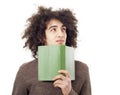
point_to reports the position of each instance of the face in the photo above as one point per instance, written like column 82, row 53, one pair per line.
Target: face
column 55, row 33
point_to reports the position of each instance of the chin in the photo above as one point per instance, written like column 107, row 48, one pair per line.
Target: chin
column 60, row 44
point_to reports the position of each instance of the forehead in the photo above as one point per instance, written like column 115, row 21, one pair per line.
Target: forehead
column 53, row 22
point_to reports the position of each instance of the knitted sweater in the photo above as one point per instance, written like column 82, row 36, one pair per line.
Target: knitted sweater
column 26, row 82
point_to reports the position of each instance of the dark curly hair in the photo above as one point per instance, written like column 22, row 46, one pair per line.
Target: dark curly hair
column 37, row 23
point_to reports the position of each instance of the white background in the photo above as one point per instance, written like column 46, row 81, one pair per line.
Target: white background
column 98, row 45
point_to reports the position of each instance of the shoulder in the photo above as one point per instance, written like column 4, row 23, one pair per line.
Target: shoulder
column 29, row 65
column 28, row 70
column 81, row 65
column 81, row 68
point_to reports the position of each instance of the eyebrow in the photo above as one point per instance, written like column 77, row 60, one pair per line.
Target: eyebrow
column 55, row 26
column 52, row 26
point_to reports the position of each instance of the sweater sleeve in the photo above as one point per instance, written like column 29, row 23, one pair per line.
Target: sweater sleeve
column 19, row 87
column 86, row 88
column 72, row 92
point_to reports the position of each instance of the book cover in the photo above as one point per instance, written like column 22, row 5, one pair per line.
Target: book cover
column 51, row 59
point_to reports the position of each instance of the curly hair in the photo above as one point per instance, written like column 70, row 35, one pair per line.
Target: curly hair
column 37, row 23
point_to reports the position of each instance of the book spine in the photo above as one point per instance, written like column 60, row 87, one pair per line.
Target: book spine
column 62, row 57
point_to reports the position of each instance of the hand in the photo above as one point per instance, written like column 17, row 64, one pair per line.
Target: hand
column 63, row 81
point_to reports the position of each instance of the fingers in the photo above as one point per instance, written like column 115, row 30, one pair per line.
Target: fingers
column 58, row 83
column 64, row 72
column 62, row 75
column 63, row 81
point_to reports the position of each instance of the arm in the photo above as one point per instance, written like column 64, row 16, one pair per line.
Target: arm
column 86, row 88
column 72, row 92
column 19, row 87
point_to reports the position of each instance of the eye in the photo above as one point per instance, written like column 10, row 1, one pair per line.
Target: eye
column 53, row 30
column 64, row 29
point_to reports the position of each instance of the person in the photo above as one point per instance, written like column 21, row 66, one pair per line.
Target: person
column 51, row 27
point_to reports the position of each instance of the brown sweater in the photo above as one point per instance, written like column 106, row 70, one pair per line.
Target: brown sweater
column 26, row 82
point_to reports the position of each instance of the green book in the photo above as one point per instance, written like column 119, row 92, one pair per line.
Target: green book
column 53, row 58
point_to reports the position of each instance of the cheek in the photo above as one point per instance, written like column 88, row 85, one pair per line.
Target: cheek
column 50, row 37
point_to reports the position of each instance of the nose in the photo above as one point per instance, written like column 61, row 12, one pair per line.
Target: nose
column 60, row 33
